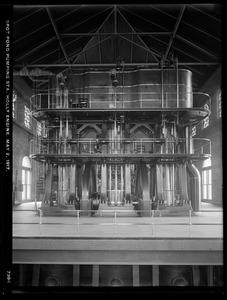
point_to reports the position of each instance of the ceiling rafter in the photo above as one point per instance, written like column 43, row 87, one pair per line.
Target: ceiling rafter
column 85, row 49
column 142, row 47
column 40, row 28
column 113, row 33
column 203, row 12
column 147, row 48
column 196, row 46
column 179, row 50
column 84, row 21
column 100, row 52
column 188, row 24
column 55, row 50
column 145, row 19
column 57, row 34
column 35, row 49
column 62, row 65
column 177, row 24
column 166, row 30
column 86, row 46
column 27, row 16
column 131, row 49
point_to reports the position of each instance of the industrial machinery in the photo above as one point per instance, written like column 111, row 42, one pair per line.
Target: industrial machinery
column 116, row 137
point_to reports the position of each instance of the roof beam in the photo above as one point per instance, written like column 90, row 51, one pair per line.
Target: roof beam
column 62, row 65
column 60, row 5
column 203, row 12
column 175, row 30
column 196, row 46
column 113, row 33
column 86, row 46
column 147, row 48
column 27, row 35
column 92, row 46
column 55, row 50
column 142, row 47
column 27, row 16
column 35, row 49
column 57, row 34
column 186, row 23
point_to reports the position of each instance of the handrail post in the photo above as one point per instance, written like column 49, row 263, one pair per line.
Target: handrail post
column 40, row 216
column 152, row 223
column 115, row 222
column 78, row 222
column 78, row 217
column 190, row 223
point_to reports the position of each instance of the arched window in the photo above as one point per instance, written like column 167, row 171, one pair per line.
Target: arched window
column 26, row 179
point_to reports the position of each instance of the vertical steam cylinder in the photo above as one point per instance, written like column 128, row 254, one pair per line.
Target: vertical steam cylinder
column 89, row 188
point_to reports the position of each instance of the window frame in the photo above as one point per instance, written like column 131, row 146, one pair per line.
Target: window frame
column 206, row 182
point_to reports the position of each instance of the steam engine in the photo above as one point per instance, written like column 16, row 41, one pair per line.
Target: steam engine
column 117, row 137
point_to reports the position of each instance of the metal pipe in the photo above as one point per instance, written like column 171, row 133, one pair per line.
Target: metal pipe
column 115, row 33
column 162, row 103
column 177, row 83
column 109, row 65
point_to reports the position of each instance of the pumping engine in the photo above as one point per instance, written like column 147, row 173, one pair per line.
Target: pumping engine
column 120, row 137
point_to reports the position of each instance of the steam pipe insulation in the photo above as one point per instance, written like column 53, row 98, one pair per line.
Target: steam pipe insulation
column 183, row 183
column 89, row 188
column 143, row 190
column 152, row 184
column 195, row 186
column 159, row 183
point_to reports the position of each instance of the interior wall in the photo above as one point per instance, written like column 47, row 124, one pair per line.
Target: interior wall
column 214, row 133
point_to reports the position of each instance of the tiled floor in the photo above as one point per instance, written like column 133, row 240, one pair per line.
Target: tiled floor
column 204, row 224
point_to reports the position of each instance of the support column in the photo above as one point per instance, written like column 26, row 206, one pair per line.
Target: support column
column 72, row 186
column 48, row 184
column 35, row 275
column 135, row 275
column 76, row 275
column 103, row 183
column 60, row 178
column 22, row 275
column 95, row 275
column 210, row 277
column 196, row 275
column 155, row 275
column 128, row 182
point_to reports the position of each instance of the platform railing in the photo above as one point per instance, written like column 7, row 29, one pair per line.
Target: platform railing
column 116, row 223
column 120, row 145
column 132, row 100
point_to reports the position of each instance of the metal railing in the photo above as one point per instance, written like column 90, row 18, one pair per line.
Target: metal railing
column 116, row 223
column 120, row 145
column 102, row 100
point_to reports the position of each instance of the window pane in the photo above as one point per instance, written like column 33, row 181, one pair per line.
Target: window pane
column 28, row 192
column 204, row 192
column 23, row 176
column 23, row 192
column 28, row 179
column 204, row 177
column 209, row 181
column 209, row 192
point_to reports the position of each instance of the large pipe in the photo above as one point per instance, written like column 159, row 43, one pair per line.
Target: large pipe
column 89, row 187
column 195, row 186
column 143, row 190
